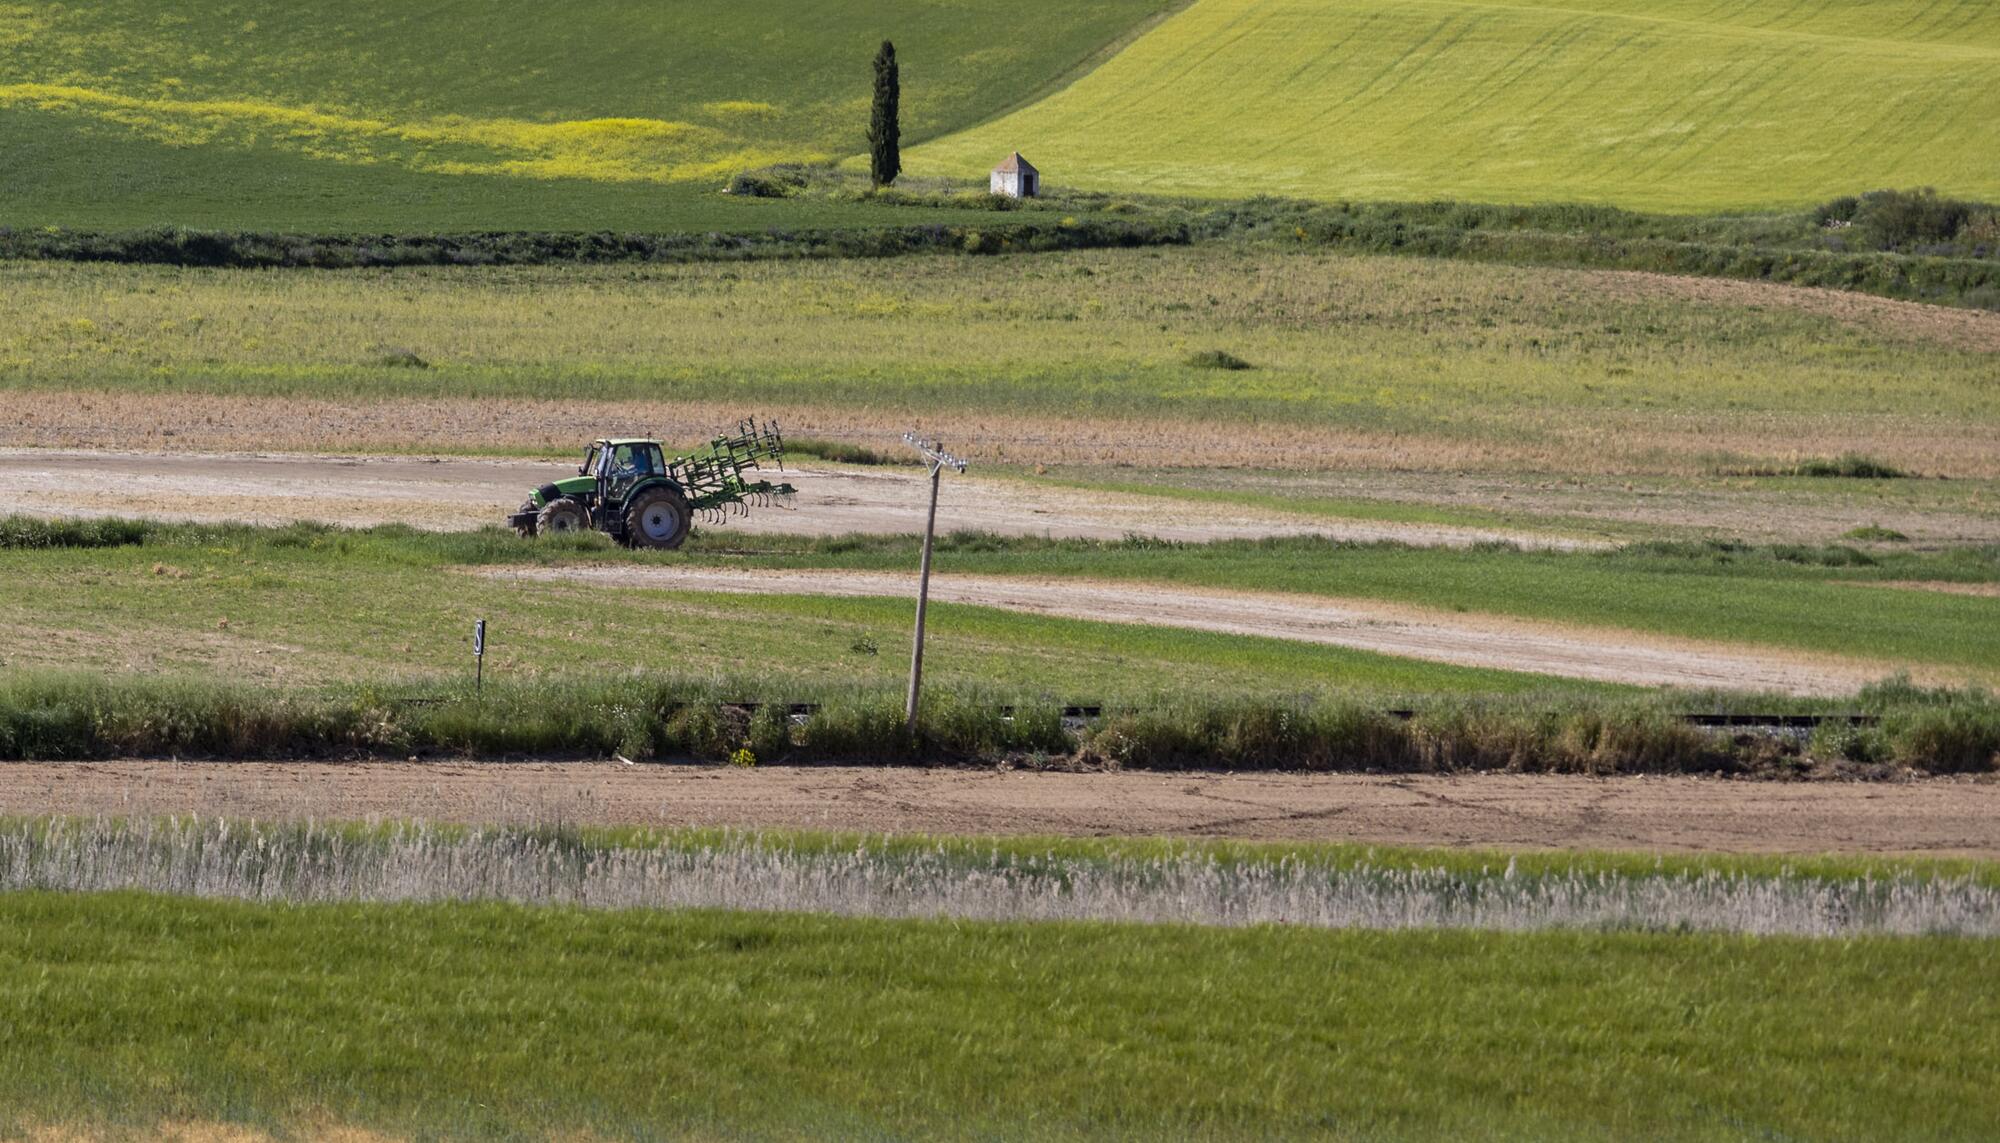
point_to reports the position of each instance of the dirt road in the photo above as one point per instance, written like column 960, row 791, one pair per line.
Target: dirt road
column 469, row 492
column 1939, row 816
column 1466, row 639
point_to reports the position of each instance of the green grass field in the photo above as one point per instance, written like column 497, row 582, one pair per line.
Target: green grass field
column 1686, row 105
column 378, row 117
column 381, row 116
column 473, row 1020
column 306, row 608
column 1368, row 361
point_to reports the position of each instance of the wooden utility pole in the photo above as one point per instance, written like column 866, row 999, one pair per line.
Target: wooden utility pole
column 939, row 460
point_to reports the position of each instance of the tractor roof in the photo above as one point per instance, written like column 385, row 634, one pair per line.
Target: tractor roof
column 614, row 442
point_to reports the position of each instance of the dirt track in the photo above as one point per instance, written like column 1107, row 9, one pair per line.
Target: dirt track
column 1940, row 816
column 1472, row 640
column 470, row 492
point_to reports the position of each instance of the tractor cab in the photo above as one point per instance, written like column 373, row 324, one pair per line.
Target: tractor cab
column 618, row 466
column 610, row 456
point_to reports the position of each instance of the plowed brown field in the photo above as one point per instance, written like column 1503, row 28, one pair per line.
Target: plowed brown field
column 1667, row 814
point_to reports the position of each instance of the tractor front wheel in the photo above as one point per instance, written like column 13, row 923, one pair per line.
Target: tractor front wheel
column 657, row 518
column 559, row 516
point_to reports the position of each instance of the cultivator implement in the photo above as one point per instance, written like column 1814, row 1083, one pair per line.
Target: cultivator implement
column 714, row 479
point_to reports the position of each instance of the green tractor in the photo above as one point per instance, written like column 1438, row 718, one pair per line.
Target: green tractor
column 628, row 488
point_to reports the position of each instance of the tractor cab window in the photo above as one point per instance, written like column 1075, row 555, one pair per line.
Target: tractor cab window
column 589, row 465
column 635, row 460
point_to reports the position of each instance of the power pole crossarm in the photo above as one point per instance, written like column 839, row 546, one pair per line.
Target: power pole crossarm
column 939, row 460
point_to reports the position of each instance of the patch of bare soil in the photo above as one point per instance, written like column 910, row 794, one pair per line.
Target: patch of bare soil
column 1472, row 640
column 1652, row 814
column 470, row 492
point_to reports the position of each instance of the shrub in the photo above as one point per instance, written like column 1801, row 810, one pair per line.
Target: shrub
column 1849, row 465
column 982, row 200
column 699, row 729
column 1837, row 211
column 1217, row 359
column 1837, row 740
column 1895, row 220
column 1830, row 556
column 765, row 184
column 1957, row 739
column 857, row 730
column 1149, row 740
column 18, row 532
column 1642, row 741
column 402, row 359
column 770, row 733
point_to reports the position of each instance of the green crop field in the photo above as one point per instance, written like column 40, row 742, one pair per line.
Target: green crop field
column 377, row 116
column 1683, row 105
column 380, row 115
column 489, row 1020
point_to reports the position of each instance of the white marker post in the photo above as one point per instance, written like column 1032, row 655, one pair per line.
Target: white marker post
column 478, row 655
column 939, row 460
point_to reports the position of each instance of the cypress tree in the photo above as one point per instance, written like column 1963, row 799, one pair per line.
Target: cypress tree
column 885, row 156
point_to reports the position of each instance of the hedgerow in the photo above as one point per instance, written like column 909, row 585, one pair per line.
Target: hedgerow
column 666, row 718
column 1901, row 244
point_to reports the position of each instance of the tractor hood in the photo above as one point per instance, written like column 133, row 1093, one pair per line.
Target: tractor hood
column 567, row 486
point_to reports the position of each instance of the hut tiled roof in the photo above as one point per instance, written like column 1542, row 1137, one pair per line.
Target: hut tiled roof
column 1012, row 164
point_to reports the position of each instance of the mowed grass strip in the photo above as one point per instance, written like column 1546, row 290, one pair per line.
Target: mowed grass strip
column 379, row 116
column 1392, row 363
column 1682, row 105
column 126, row 1010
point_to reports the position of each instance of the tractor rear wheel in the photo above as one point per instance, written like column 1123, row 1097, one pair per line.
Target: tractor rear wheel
column 657, row 518
column 558, row 516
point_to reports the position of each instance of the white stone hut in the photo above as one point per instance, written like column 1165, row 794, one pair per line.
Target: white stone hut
column 1016, row 177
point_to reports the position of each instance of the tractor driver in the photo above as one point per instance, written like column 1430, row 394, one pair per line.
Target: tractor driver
column 632, row 461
